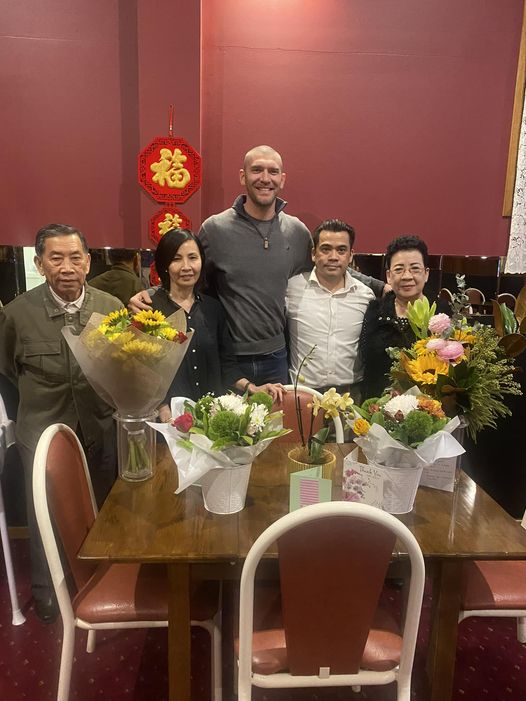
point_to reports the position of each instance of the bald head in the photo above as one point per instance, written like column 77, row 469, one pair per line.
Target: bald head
column 261, row 152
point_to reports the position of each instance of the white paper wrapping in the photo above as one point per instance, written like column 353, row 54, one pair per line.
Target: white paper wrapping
column 192, row 465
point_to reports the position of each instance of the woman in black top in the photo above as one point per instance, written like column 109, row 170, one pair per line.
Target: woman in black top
column 209, row 364
column 385, row 322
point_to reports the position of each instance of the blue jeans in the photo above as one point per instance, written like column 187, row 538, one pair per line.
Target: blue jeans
column 270, row 367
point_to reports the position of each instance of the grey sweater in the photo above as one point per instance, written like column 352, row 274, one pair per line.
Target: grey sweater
column 249, row 279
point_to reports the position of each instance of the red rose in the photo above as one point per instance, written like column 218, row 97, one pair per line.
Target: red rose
column 180, row 338
column 184, row 422
column 137, row 324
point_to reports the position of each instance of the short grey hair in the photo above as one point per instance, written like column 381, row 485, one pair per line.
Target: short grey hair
column 50, row 230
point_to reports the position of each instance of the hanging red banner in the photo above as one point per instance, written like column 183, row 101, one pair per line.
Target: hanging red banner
column 169, row 169
column 167, row 218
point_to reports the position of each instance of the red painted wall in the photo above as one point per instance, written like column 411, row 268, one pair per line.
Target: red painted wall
column 392, row 115
column 87, row 84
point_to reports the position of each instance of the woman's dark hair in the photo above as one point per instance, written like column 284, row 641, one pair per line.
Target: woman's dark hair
column 406, row 243
column 167, row 249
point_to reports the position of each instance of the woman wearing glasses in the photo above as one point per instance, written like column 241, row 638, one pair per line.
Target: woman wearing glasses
column 385, row 322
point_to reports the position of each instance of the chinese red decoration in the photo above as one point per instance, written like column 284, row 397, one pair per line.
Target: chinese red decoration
column 167, row 218
column 170, row 169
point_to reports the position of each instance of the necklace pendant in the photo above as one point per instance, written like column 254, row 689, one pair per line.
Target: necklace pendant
column 265, row 243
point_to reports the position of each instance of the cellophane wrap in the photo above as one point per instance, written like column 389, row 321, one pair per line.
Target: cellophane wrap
column 134, row 385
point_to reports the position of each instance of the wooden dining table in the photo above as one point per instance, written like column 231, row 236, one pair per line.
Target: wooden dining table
column 147, row 522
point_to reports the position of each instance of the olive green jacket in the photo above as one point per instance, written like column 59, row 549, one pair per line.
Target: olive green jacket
column 119, row 281
column 34, row 355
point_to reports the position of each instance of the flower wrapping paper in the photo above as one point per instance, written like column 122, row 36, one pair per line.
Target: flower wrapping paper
column 192, row 465
column 133, row 386
column 379, row 447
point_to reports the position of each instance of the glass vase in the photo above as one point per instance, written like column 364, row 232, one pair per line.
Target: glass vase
column 135, row 447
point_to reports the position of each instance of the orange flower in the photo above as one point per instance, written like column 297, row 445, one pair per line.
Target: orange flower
column 431, row 406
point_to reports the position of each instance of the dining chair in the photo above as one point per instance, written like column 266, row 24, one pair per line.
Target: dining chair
column 305, row 395
column 333, row 559
column 508, row 299
column 7, row 439
column 97, row 596
column 495, row 588
column 475, row 296
column 445, row 295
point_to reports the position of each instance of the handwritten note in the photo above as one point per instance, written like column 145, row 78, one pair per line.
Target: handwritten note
column 440, row 474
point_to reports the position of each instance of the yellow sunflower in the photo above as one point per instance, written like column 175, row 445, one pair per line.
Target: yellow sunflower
column 150, row 317
column 425, row 368
column 464, row 336
column 141, row 349
column 420, row 346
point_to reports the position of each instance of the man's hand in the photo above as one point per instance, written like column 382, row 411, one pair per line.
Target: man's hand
column 276, row 391
column 140, row 302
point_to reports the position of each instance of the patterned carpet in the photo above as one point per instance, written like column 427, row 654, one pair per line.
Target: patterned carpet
column 491, row 664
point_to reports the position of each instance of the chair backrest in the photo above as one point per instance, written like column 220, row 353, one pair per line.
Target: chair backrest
column 508, row 299
column 63, row 498
column 475, row 295
column 445, row 295
column 333, row 559
column 290, row 420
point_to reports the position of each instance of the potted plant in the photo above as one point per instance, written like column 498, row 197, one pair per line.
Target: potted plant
column 312, row 450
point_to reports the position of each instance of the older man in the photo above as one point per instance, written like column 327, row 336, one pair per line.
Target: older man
column 252, row 249
column 35, row 356
column 325, row 308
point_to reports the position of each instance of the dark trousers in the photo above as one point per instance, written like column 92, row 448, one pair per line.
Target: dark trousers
column 269, row 367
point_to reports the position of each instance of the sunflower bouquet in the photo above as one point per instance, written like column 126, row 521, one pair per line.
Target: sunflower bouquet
column 461, row 365
column 130, row 361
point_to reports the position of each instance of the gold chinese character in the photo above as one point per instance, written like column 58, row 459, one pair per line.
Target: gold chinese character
column 169, row 169
column 171, row 221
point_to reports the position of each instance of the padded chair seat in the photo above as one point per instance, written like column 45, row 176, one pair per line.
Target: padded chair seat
column 494, row 584
column 132, row 592
column 381, row 653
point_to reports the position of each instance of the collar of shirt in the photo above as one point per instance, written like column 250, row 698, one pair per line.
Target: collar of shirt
column 70, row 307
column 347, row 287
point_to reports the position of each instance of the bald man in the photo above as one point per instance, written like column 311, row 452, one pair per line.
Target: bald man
column 252, row 249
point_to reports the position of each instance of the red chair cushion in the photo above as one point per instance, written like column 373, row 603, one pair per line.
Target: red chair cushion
column 134, row 592
column 494, row 584
column 381, row 653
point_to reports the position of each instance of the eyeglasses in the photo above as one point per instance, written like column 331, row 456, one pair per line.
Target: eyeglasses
column 414, row 269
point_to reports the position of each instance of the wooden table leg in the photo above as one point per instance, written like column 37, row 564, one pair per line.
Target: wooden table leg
column 179, row 636
column 444, row 627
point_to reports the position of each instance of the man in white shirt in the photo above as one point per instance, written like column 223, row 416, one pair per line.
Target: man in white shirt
column 325, row 308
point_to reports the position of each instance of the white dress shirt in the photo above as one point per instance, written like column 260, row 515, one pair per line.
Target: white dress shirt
column 330, row 320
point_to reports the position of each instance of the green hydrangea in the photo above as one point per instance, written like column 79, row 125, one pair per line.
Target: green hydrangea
column 225, row 424
column 261, row 398
column 418, row 426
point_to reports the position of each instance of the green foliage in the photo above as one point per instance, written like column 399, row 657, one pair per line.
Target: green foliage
column 418, row 313
column 261, row 398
